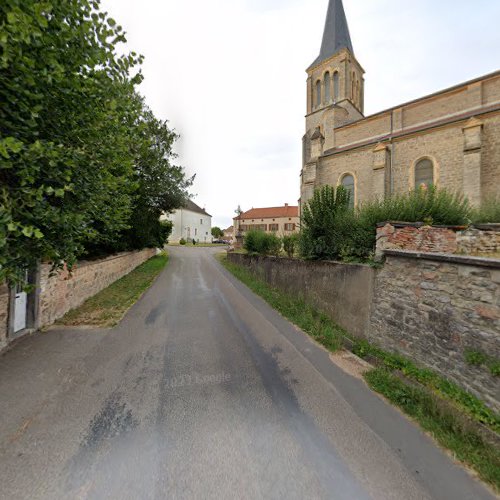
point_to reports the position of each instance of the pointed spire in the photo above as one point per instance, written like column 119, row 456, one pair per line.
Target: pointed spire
column 336, row 35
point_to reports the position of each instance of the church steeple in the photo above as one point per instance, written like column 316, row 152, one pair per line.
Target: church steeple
column 336, row 34
column 336, row 77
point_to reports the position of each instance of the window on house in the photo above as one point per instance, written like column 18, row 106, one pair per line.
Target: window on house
column 336, row 86
column 318, row 93
column 196, row 232
column 348, row 183
column 201, row 221
column 274, row 228
column 327, row 87
column 424, row 173
column 290, row 227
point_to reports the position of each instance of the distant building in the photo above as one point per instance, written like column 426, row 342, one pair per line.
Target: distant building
column 229, row 233
column 280, row 220
column 190, row 222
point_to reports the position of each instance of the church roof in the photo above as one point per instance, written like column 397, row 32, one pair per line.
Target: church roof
column 336, row 35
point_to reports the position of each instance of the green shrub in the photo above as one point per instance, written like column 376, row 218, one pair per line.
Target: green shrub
column 261, row 243
column 332, row 231
column 319, row 238
column 489, row 212
column 290, row 244
column 182, row 241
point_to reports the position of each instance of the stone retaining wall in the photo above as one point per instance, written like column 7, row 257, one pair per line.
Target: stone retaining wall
column 475, row 241
column 435, row 239
column 4, row 314
column 64, row 291
column 433, row 308
column 342, row 291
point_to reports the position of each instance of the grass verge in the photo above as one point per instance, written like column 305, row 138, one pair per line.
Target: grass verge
column 445, row 426
column 108, row 307
column 465, row 444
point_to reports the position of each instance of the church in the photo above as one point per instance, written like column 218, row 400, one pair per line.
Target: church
column 450, row 139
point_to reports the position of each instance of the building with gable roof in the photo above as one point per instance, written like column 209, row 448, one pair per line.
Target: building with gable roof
column 279, row 220
column 190, row 223
column 450, row 139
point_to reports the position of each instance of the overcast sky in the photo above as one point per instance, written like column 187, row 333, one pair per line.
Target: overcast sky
column 230, row 77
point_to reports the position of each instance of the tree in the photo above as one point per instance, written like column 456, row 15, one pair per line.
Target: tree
column 65, row 164
column 84, row 165
column 217, row 232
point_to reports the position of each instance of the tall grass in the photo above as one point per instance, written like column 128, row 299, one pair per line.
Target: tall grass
column 488, row 212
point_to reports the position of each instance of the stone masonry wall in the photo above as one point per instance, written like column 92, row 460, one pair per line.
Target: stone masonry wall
column 434, row 308
column 341, row 291
column 477, row 242
column 429, row 239
column 64, row 291
column 4, row 314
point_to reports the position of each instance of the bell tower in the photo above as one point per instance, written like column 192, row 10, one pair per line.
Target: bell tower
column 335, row 93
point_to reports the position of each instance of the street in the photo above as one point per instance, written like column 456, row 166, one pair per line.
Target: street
column 203, row 391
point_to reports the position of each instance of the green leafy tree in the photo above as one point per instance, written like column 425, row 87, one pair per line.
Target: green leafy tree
column 217, row 232
column 65, row 163
column 84, row 164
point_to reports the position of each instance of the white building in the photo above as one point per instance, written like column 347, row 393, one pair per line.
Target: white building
column 190, row 222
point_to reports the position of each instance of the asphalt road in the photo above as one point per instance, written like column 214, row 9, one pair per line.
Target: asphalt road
column 203, row 391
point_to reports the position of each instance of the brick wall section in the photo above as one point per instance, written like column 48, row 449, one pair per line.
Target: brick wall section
column 4, row 314
column 62, row 292
column 341, row 291
column 411, row 237
column 433, row 309
column 471, row 241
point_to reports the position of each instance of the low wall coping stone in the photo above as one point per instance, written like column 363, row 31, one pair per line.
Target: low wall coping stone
column 303, row 261
column 418, row 225
column 446, row 257
column 487, row 227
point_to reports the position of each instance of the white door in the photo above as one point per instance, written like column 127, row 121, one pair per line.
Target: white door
column 20, row 309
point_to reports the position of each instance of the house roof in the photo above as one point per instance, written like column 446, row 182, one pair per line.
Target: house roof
column 270, row 213
column 193, row 207
column 336, row 35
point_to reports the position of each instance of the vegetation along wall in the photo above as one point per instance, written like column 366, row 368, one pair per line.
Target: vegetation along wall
column 342, row 291
column 63, row 291
column 442, row 311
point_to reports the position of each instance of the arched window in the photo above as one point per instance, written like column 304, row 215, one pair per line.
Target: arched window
column 318, row 93
column 348, row 183
column 357, row 92
column 424, row 173
column 327, row 80
column 336, row 86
